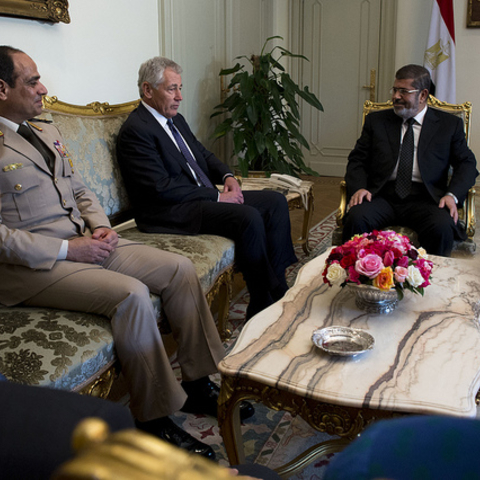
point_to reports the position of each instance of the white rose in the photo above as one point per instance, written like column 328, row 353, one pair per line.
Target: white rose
column 414, row 277
column 336, row 274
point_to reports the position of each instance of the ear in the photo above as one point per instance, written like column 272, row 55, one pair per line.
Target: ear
column 424, row 95
column 147, row 90
column 3, row 89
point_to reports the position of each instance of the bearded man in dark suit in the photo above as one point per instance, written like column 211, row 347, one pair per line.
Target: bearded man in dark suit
column 420, row 190
column 170, row 178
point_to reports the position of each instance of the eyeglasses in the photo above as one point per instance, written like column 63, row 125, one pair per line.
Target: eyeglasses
column 402, row 91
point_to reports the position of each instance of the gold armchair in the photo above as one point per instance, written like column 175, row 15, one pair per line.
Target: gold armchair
column 466, row 212
column 132, row 455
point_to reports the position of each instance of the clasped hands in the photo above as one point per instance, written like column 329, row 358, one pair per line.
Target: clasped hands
column 446, row 201
column 232, row 192
column 94, row 249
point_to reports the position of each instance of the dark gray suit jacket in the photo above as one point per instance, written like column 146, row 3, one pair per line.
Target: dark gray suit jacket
column 160, row 185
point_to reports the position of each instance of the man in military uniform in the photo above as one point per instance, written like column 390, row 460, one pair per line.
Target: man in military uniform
column 57, row 249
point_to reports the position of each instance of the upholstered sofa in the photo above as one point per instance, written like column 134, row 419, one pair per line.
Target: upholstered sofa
column 72, row 350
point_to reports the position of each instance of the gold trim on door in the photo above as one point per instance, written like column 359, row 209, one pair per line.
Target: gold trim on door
column 373, row 85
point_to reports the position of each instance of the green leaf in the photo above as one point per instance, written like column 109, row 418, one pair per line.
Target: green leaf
column 310, row 98
column 400, row 293
column 222, row 129
column 244, row 167
column 229, row 71
column 238, row 142
column 271, row 147
column 252, row 114
column 259, row 142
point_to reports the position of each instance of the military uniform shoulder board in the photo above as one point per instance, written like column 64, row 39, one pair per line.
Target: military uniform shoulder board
column 37, row 127
column 41, row 119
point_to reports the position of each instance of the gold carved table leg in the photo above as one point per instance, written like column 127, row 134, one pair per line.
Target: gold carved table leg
column 345, row 422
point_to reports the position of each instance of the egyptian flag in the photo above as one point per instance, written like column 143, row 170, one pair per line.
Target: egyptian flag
column 440, row 53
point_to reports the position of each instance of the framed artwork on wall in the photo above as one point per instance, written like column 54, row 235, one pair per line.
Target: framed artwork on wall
column 47, row 10
column 473, row 13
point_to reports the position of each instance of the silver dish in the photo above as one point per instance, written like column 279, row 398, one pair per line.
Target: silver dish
column 343, row 341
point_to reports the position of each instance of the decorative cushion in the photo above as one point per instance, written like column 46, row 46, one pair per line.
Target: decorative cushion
column 211, row 255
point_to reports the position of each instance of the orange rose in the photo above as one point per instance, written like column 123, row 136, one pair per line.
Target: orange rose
column 384, row 280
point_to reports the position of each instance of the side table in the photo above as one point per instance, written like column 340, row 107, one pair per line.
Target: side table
column 301, row 199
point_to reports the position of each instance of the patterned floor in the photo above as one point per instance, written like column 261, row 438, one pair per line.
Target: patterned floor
column 270, row 438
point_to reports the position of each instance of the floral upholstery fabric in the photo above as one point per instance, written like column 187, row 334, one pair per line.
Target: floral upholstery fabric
column 211, row 255
column 91, row 144
column 54, row 348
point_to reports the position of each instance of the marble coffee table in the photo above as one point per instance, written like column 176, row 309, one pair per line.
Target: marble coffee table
column 426, row 358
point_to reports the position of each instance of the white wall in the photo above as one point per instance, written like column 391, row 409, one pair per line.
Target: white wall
column 204, row 36
column 412, row 32
column 95, row 57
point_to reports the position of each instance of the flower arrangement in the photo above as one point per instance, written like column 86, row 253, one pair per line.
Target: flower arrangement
column 383, row 259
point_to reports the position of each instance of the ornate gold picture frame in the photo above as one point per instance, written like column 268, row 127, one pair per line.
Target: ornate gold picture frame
column 473, row 13
column 47, row 10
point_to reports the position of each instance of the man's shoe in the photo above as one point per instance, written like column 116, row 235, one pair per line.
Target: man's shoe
column 203, row 399
column 257, row 304
column 165, row 429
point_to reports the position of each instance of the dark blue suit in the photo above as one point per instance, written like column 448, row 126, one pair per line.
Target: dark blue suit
column 166, row 198
column 441, row 146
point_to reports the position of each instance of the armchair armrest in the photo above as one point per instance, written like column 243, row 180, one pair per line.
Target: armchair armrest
column 342, row 208
column 469, row 213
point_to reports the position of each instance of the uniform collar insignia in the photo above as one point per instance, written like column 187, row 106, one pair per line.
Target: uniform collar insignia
column 1, row 133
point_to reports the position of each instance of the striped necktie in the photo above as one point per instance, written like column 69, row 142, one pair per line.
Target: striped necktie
column 201, row 175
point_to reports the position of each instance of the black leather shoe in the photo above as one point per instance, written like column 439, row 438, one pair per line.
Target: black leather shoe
column 203, row 399
column 165, row 429
column 257, row 304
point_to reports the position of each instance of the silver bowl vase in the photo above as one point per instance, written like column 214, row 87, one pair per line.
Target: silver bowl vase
column 373, row 300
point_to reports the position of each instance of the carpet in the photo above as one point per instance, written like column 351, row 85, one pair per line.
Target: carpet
column 270, row 438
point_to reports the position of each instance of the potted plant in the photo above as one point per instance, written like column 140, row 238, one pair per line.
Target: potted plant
column 263, row 114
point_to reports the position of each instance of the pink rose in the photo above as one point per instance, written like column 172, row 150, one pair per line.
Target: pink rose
column 400, row 274
column 370, row 265
column 425, row 267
